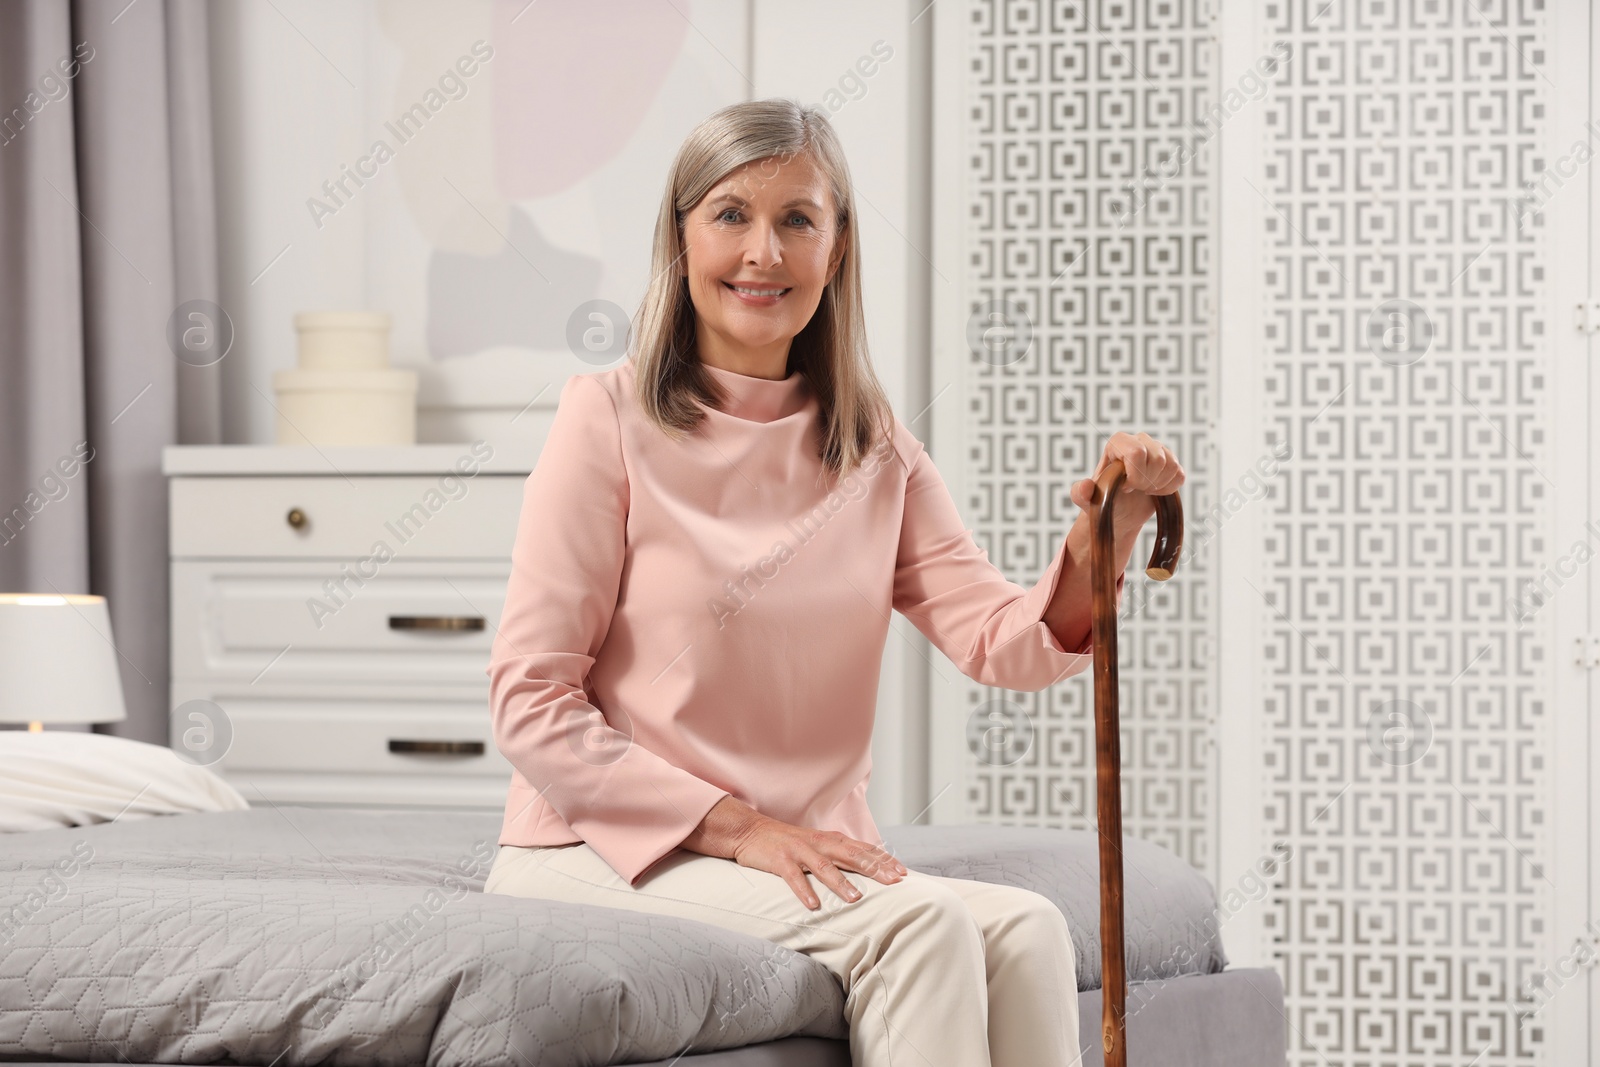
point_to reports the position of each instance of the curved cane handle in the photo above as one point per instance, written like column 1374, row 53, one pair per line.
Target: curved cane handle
column 1169, row 522
column 1108, row 731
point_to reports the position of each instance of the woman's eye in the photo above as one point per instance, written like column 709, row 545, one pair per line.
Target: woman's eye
column 723, row 217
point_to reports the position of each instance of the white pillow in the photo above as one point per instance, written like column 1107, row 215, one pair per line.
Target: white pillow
column 59, row 778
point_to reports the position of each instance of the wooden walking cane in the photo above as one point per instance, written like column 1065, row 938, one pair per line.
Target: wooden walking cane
column 1107, row 733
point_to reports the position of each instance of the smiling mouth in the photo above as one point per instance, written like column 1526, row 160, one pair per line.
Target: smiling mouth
column 756, row 292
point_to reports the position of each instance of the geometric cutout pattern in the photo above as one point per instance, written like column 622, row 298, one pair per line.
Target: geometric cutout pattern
column 1103, row 259
column 1407, row 727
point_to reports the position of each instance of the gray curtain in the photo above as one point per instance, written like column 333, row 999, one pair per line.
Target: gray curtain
column 107, row 224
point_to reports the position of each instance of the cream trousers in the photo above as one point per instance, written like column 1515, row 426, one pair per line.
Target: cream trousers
column 936, row 972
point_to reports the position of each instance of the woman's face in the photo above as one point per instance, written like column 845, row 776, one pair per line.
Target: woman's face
column 767, row 226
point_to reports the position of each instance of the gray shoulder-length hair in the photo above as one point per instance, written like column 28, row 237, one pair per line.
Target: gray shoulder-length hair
column 831, row 351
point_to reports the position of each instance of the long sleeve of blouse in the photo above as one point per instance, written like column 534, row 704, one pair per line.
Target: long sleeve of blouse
column 689, row 619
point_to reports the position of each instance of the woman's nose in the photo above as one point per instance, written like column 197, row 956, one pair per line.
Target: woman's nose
column 763, row 249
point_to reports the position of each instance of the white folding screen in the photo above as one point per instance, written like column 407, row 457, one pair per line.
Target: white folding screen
column 1085, row 323
column 1351, row 682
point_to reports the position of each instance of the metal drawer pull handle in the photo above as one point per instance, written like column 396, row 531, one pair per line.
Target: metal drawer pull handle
column 445, row 748
column 296, row 518
column 435, row 622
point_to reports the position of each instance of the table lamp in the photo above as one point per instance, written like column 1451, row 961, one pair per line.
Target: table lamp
column 57, row 661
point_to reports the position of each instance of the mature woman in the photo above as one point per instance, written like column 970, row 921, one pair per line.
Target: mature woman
column 709, row 548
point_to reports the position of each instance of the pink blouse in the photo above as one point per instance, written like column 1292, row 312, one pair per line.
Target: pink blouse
column 689, row 619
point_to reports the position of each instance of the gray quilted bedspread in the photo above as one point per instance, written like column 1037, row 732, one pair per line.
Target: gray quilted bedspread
column 296, row 936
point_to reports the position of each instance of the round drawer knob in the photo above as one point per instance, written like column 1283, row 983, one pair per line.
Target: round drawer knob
column 296, row 518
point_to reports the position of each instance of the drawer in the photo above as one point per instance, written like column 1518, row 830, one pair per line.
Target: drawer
column 350, row 518
column 305, row 620
column 413, row 732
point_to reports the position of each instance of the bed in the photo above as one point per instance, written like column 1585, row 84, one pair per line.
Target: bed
column 294, row 935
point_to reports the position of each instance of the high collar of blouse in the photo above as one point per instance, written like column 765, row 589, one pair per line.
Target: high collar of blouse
column 760, row 399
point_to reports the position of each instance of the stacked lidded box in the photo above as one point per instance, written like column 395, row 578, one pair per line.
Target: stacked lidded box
column 344, row 392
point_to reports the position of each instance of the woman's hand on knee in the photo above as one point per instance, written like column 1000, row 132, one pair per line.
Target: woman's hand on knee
column 790, row 851
column 734, row 830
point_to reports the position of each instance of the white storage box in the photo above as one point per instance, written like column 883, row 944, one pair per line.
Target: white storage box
column 346, row 407
column 343, row 340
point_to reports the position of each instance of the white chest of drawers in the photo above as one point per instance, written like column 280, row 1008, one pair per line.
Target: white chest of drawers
column 338, row 606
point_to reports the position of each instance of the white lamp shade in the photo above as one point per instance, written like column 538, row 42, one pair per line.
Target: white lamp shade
column 57, row 660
